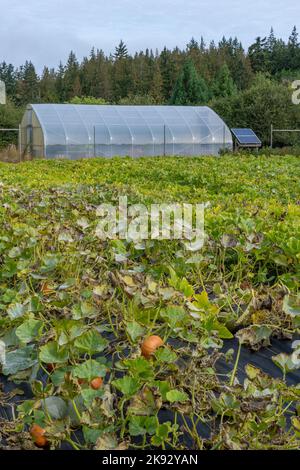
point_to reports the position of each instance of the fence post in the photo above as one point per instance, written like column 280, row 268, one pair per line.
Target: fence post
column 164, row 140
column 20, row 143
column 94, row 141
column 271, row 140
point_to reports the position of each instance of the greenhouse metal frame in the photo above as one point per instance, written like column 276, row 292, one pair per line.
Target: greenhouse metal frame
column 83, row 131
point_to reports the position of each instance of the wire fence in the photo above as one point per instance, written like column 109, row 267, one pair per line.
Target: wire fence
column 283, row 132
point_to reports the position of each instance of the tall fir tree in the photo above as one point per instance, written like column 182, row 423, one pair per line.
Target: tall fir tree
column 9, row 77
column 59, row 84
column 28, row 84
column 223, row 84
column 72, row 86
column 293, row 50
column 122, row 84
column 258, row 55
column 168, row 73
column 121, row 51
column 48, row 90
column 189, row 88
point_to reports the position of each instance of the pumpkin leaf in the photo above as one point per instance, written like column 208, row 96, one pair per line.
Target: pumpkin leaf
column 52, row 353
column 91, row 342
column 127, row 385
column 89, row 370
column 174, row 396
column 29, row 330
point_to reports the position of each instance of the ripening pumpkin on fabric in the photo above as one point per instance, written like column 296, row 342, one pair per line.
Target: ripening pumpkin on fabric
column 37, row 432
column 150, row 345
column 96, row 383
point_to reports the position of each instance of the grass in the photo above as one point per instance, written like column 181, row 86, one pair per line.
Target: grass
column 74, row 307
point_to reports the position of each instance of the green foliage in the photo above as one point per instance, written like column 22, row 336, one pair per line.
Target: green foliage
column 193, row 75
column 223, row 84
column 27, row 87
column 121, row 51
column 189, row 88
column 10, row 117
column 264, row 103
column 137, row 100
column 87, row 100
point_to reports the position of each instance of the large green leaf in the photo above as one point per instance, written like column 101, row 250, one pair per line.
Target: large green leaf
column 18, row 360
column 176, row 396
column 127, row 385
column 52, row 353
column 89, row 395
column 29, row 330
column 91, row 342
column 140, row 425
column 89, row 370
column 140, row 368
column 174, row 316
column 135, row 330
column 166, row 355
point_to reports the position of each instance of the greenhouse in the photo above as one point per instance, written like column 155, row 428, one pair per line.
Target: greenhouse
column 82, row 131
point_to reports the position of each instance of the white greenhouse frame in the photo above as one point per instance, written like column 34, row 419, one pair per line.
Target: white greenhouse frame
column 82, row 131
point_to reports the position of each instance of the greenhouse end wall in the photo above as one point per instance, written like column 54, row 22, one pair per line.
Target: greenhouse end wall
column 83, row 131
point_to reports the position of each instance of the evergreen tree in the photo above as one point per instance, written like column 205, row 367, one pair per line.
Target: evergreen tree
column 28, row 84
column 157, row 84
column 192, row 45
column 223, row 84
column 293, row 50
column 202, row 45
column 48, row 86
column 145, row 76
column 121, row 51
column 168, row 73
column 59, row 84
column 258, row 55
column 72, row 86
column 8, row 76
column 271, row 41
column 189, row 88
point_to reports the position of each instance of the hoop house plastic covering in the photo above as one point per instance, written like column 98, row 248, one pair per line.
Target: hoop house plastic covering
column 80, row 131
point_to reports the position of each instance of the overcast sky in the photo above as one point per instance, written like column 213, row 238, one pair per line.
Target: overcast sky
column 44, row 31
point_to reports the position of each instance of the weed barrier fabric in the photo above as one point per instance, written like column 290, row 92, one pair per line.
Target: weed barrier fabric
column 261, row 359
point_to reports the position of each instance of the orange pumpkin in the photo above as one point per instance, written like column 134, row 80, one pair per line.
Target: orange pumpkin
column 150, row 345
column 38, row 435
column 36, row 430
column 96, row 383
column 41, row 441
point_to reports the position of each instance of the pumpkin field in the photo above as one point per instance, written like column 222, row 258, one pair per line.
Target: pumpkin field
column 111, row 344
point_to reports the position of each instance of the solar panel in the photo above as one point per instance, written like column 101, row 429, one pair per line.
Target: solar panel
column 246, row 137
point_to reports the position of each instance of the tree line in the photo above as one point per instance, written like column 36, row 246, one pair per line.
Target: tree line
column 247, row 87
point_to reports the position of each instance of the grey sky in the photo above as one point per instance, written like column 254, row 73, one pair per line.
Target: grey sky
column 44, row 31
